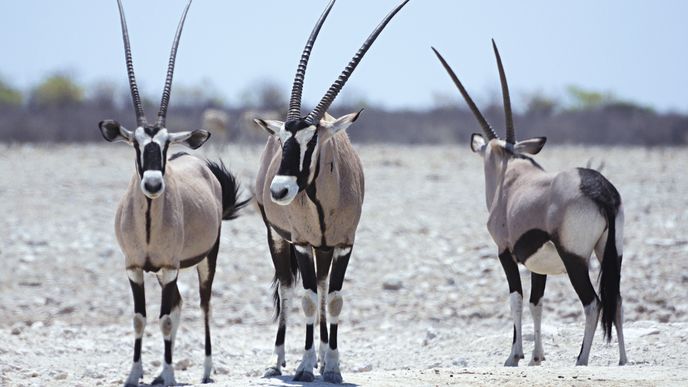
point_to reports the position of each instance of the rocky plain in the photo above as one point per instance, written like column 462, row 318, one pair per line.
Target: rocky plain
column 425, row 298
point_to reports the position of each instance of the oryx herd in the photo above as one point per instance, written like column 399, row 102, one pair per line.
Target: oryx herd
column 309, row 190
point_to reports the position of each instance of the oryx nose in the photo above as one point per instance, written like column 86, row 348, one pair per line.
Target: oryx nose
column 153, row 186
column 279, row 193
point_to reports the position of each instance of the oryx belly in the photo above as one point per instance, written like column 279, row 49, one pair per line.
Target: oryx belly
column 546, row 261
column 535, row 250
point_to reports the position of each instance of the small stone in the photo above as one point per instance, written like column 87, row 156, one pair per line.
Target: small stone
column 182, row 364
column 61, row 376
column 392, row 283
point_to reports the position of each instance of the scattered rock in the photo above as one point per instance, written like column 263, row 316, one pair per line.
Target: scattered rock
column 392, row 283
column 182, row 364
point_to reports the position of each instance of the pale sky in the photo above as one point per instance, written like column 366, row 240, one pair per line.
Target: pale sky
column 636, row 49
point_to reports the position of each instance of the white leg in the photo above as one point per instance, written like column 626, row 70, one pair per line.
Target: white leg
column 322, row 317
column 618, row 322
column 304, row 372
column 592, row 314
column 516, row 302
column 170, row 314
column 538, row 351
column 331, row 372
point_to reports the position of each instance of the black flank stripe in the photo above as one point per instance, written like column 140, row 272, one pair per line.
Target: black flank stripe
column 311, row 191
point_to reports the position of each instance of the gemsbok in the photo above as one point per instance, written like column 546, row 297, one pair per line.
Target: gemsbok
column 551, row 223
column 310, row 192
column 170, row 217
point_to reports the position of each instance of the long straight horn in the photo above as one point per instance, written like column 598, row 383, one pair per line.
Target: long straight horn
column 297, row 88
column 510, row 137
column 162, row 114
column 336, row 87
column 136, row 98
column 487, row 129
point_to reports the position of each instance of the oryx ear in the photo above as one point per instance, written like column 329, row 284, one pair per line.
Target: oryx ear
column 477, row 142
column 271, row 126
column 341, row 123
column 531, row 145
column 113, row 131
column 193, row 139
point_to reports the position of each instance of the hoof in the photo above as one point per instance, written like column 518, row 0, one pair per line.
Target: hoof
column 272, row 372
column 333, row 377
column 536, row 360
column 207, row 381
column 512, row 361
column 304, row 376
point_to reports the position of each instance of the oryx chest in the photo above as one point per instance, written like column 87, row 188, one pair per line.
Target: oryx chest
column 299, row 222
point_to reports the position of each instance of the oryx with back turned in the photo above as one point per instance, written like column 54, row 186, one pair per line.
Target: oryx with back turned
column 170, row 217
column 310, row 192
column 551, row 223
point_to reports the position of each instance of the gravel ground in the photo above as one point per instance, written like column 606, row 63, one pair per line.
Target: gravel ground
column 426, row 301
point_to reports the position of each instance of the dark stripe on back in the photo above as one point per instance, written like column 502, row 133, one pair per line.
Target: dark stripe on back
column 529, row 243
column 178, row 155
column 524, row 157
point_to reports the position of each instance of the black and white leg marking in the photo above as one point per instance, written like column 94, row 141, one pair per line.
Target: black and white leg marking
column 323, row 260
column 577, row 269
column 537, row 290
column 513, row 277
column 309, row 302
column 137, row 290
column 335, row 302
column 281, row 252
column 206, row 274
column 170, row 313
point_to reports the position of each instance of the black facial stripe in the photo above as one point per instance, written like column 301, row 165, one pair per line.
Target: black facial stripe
column 302, row 180
column 164, row 156
column 139, row 168
column 291, row 152
column 152, row 157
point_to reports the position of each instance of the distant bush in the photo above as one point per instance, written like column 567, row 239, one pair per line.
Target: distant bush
column 9, row 96
column 58, row 90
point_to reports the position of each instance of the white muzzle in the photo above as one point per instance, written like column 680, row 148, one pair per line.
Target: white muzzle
column 283, row 189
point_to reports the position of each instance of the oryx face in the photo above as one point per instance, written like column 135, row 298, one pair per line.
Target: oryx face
column 299, row 142
column 151, row 146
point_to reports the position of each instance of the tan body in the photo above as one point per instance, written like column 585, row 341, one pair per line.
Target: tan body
column 184, row 220
column 551, row 223
column 531, row 198
column 339, row 188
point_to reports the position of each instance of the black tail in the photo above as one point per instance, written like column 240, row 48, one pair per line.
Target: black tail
column 602, row 192
column 230, row 190
column 294, row 276
column 610, row 276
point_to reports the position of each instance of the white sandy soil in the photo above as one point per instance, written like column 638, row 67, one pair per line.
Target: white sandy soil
column 426, row 301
